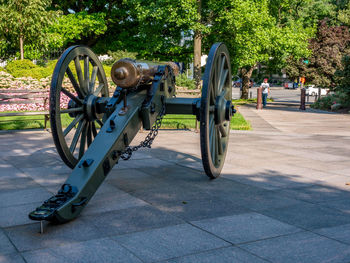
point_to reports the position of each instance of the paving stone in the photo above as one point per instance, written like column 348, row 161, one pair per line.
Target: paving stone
column 316, row 193
column 245, row 227
column 154, row 163
column 309, row 216
column 11, row 258
column 202, row 209
column 130, row 220
column 98, row 250
column 131, row 180
column 24, row 196
column 9, row 172
column 5, row 245
column 17, row 183
column 221, row 255
column 28, row 237
column 300, row 247
column 169, row 242
column 340, row 233
column 264, row 200
column 342, row 205
column 165, row 194
column 271, row 179
column 111, row 201
column 15, row 215
column 33, row 160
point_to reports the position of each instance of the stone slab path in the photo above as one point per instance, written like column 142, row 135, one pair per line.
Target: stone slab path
column 284, row 196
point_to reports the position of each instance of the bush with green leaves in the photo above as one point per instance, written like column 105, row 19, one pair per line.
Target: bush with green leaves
column 339, row 98
column 183, row 81
column 26, row 68
column 119, row 54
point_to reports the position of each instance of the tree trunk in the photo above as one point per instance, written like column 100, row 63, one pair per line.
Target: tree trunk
column 197, row 50
column 197, row 72
column 246, row 75
column 21, row 47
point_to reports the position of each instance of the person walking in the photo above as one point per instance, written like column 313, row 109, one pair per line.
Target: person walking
column 265, row 91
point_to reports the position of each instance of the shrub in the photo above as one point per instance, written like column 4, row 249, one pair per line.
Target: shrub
column 119, row 54
column 26, row 68
column 183, row 81
column 325, row 103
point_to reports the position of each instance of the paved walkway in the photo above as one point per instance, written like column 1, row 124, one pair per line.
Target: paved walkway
column 283, row 197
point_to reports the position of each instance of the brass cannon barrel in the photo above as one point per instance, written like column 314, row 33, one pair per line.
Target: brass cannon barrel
column 129, row 73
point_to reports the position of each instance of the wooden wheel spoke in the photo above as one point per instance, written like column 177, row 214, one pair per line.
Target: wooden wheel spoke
column 220, row 64
column 79, row 109
column 99, row 89
column 89, row 134
column 86, row 74
column 94, row 131
column 223, row 79
column 219, row 142
column 216, row 146
column 212, row 94
column 70, row 95
column 213, row 148
column 74, row 83
column 83, row 141
column 79, row 74
column 76, row 136
column 72, row 124
column 93, row 79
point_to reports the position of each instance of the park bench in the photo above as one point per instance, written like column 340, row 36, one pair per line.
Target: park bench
column 25, row 96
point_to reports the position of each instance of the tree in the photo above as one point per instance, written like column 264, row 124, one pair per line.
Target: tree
column 255, row 36
column 343, row 77
column 72, row 28
column 328, row 47
column 24, row 21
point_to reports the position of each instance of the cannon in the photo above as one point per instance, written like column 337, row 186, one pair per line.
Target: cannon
column 93, row 130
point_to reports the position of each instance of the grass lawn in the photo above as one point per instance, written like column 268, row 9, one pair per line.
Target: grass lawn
column 247, row 101
column 169, row 122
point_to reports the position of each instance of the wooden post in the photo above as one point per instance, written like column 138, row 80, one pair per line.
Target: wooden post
column 319, row 93
column 259, row 105
column 302, row 99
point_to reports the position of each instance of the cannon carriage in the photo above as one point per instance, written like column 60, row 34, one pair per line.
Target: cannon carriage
column 102, row 127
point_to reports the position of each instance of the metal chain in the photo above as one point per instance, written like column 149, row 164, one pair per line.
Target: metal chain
column 147, row 143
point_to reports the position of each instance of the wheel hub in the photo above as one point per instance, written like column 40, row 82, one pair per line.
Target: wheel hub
column 223, row 110
column 90, row 108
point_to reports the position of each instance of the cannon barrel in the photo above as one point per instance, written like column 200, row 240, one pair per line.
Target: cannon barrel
column 129, row 73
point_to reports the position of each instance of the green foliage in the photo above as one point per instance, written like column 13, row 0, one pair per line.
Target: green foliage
column 328, row 47
column 183, row 81
column 339, row 98
column 26, row 68
column 344, row 15
column 73, row 27
column 119, row 54
column 254, row 35
column 26, row 20
column 343, row 77
column 160, row 26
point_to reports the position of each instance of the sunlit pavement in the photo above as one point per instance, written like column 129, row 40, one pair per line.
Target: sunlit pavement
column 283, row 197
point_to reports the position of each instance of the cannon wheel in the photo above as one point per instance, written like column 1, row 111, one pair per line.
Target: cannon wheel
column 73, row 136
column 216, row 91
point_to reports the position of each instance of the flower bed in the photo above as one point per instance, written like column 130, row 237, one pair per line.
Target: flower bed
column 7, row 81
